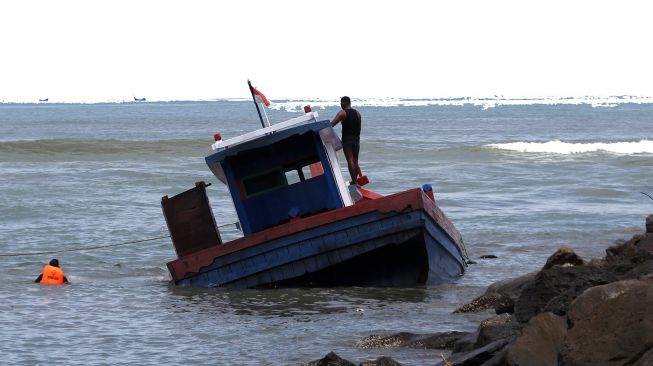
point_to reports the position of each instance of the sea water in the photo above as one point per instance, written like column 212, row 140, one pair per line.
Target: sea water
column 517, row 179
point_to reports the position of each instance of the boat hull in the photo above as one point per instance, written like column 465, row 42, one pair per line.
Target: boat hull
column 401, row 240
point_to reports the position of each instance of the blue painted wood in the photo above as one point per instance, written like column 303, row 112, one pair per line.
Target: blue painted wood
column 280, row 151
column 323, row 247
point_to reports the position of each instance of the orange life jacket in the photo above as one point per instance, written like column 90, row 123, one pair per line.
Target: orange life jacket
column 52, row 275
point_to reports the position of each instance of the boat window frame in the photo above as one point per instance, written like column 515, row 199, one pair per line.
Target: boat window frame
column 281, row 182
column 282, row 171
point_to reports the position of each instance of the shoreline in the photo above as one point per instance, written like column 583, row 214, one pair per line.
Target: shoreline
column 571, row 312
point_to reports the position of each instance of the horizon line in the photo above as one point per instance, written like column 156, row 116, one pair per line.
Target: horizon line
column 617, row 97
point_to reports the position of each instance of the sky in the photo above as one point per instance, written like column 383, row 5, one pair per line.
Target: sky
column 108, row 50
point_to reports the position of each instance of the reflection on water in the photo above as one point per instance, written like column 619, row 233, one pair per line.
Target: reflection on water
column 288, row 302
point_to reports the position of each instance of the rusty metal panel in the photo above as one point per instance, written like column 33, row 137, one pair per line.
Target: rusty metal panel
column 190, row 221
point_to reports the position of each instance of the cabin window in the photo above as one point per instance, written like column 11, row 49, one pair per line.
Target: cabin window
column 304, row 170
column 313, row 170
column 293, row 176
column 274, row 179
column 265, row 182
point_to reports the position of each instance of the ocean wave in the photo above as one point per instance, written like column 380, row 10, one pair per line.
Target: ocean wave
column 98, row 147
column 567, row 148
column 297, row 105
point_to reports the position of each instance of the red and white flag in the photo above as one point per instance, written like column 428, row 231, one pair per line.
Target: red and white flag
column 259, row 97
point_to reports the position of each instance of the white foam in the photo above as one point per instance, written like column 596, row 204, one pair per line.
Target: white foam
column 566, row 148
column 296, row 105
column 484, row 103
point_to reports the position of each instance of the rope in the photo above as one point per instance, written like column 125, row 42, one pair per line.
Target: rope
column 81, row 249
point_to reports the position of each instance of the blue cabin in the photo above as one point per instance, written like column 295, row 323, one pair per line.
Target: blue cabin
column 281, row 172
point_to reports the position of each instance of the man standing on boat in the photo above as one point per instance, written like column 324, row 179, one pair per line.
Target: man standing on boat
column 351, row 136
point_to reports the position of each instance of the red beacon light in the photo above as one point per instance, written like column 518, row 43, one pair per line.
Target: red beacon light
column 307, row 109
column 217, row 137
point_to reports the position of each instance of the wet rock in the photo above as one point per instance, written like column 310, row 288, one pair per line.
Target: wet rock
column 553, row 289
column 504, row 326
column 331, row 359
column 596, row 262
column 611, row 325
column 439, row 341
column 639, row 270
column 444, row 340
column 466, row 343
column 483, row 302
column 488, row 256
column 391, row 341
column 477, row 356
column 539, row 342
column 646, row 359
column 381, row 361
column 563, row 256
column 499, row 358
column 624, row 257
column 649, row 224
column 512, row 287
column 500, row 296
column 504, row 305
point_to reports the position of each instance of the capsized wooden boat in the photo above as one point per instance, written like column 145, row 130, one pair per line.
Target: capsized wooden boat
column 302, row 224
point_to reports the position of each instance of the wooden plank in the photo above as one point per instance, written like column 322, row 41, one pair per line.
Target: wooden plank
column 393, row 203
column 331, row 243
column 190, row 221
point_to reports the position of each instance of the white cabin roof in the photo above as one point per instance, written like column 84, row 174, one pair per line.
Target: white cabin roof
column 223, row 144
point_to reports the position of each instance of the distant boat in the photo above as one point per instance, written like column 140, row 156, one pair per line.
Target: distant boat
column 43, row 100
column 139, row 99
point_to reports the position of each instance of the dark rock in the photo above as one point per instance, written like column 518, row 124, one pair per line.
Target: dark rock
column 439, row 341
column 539, row 341
column 646, row 359
column 478, row 356
column 330, row 359
column 511, row 287
column 623, row 258
column 504, row 326
column 563, row 256
column 391, row 341
column 488, row 256
column 640, row 270
column 638, row 243
column 381, row 361
column 649, row 224
column 611, row 325
column 505, row 305
column 553, row 289
column 499, row 358
column 466, row 343
column 444, row 340
column 483, row 302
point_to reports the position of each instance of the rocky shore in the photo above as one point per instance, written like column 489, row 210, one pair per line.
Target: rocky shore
column 571, row 312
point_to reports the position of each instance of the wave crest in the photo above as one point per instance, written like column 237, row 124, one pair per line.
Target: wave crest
column 296, row 105
column 567, row 148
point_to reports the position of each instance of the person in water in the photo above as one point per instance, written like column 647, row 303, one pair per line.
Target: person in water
column 52, row 274
column 351, row 136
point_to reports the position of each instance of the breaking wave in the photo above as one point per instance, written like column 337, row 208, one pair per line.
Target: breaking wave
column 297, row 105
column 567, row 148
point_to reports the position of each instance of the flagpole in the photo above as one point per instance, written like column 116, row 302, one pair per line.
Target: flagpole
column 256, row 104
column 266, row 117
